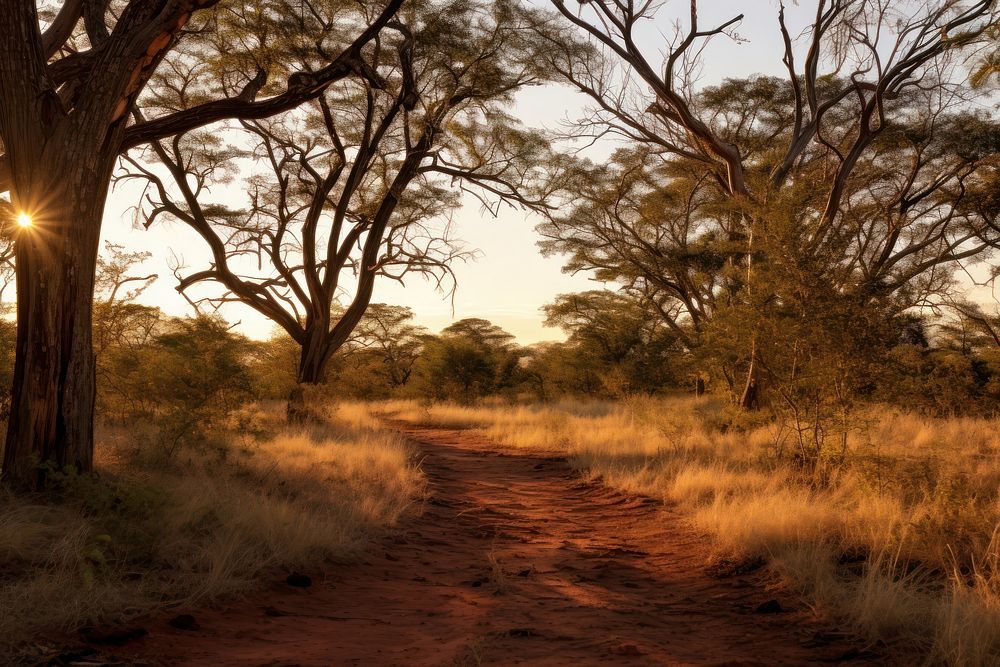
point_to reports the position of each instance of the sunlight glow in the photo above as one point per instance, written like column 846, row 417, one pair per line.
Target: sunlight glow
column 24, row 220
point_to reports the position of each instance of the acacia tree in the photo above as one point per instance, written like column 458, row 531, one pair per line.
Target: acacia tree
column 116, row 289
column 471, row 358
column 744, row 196
column 661, row 228
column 617, row 339
column 69, row 90
column 122, row 326
column 355, row 185
column 387, row 333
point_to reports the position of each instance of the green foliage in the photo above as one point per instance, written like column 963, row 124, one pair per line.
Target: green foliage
column 379, row 357
column 94, row 560
column 957, row 372
column 122, row 327
column 556, row 369
column 127, row 517
column 123, row 332
column 618, row 345
column 199, row 373
column 797, row 283
column 471, row 358
column 272, row 365
column 184, row 378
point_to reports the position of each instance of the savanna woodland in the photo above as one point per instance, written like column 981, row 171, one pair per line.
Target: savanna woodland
column 543, row 332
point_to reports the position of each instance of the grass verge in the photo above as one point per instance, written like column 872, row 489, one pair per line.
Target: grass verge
column 896, row 534
column 148, row 532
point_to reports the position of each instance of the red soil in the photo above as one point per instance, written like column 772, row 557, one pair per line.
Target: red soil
column 515, row 560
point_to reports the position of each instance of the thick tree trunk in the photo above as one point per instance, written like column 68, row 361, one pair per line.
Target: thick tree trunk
column 295, row 411
column 312, row 367
column 51, row 416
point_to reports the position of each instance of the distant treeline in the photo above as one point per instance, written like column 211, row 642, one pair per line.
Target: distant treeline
column 187, row 377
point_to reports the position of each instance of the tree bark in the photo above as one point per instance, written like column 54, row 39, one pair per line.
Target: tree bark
column 750, row 400
column 312, row 366
column 52, row 406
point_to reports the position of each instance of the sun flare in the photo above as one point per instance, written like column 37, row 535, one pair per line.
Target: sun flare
column 24, row 220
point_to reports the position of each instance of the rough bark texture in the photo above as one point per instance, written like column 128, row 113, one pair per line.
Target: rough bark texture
column 51, row 418
column 312, row 362
column 58, row 170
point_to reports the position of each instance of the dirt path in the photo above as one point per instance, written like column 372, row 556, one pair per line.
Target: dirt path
column 516, row 560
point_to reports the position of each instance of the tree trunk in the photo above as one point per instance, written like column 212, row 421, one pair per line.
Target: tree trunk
column 312, row 367
column 296, row 412
column 52, row 407
column 750, row 400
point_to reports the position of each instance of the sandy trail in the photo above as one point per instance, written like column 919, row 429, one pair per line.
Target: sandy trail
column 516, row 560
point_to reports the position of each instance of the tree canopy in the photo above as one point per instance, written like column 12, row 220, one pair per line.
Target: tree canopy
column 360, row 183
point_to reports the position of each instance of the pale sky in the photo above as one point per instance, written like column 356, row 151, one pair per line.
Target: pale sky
column 510, row 281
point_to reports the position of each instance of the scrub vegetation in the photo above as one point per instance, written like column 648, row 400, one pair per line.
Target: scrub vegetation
column 790, row 337
column 158, row 530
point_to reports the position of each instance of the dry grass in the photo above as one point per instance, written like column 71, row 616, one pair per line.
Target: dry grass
column 150, row 532
column 897, row 534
